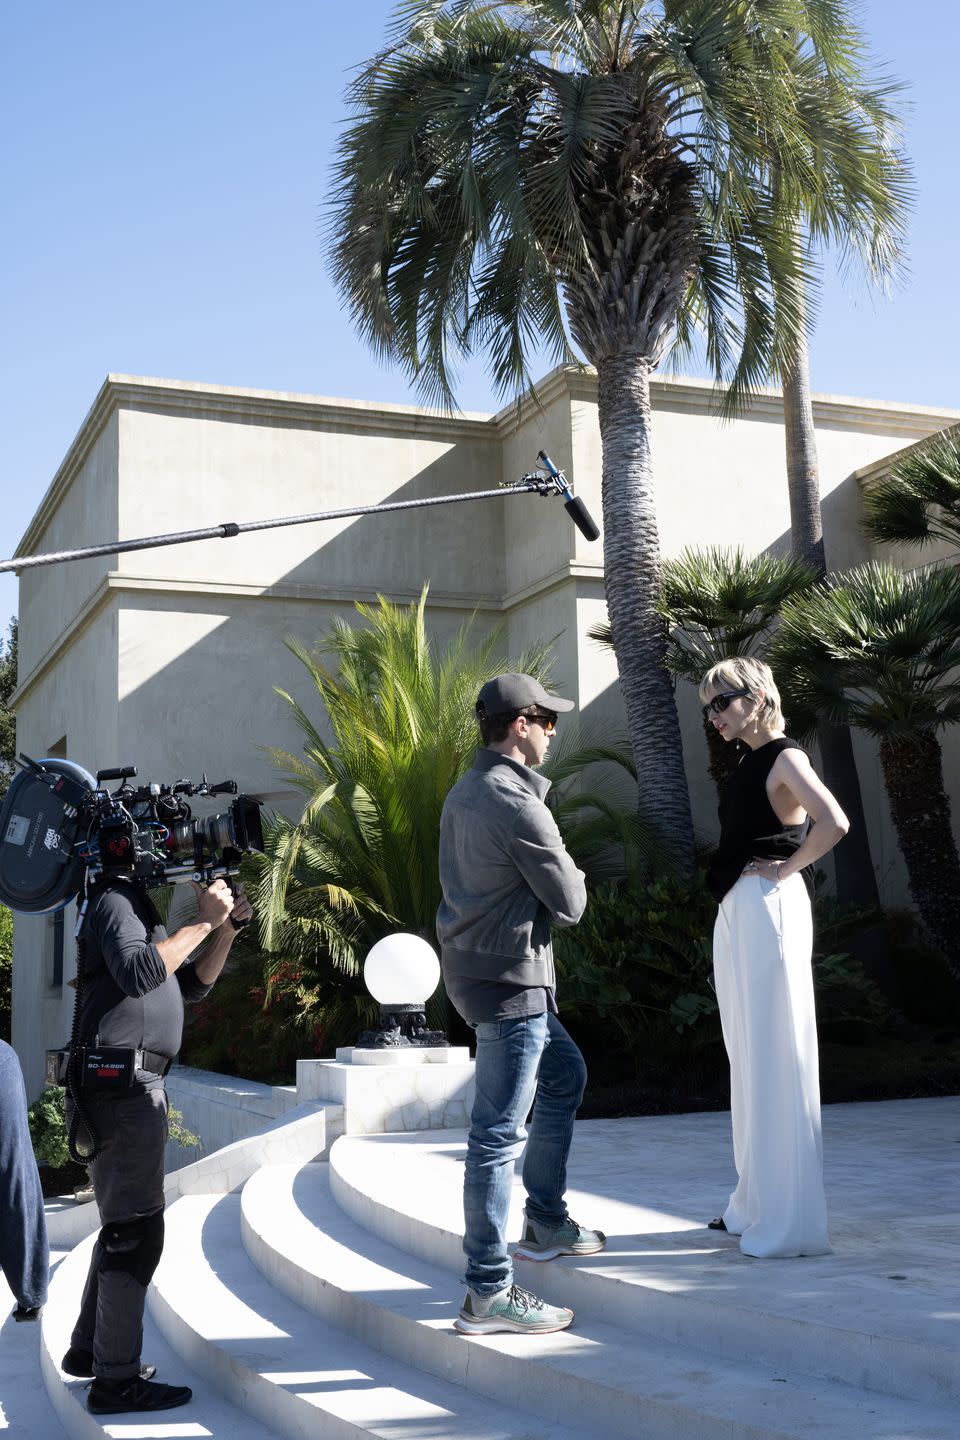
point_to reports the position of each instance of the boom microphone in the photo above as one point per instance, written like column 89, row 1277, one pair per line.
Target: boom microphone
column 554, row 483
column 573, row 505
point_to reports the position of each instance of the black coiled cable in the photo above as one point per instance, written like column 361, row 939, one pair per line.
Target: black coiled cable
column 74, row 1062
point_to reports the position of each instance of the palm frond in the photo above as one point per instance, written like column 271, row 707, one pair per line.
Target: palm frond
column 717, row 603
column 876, row 648
column 493, row 146
column 919, row 501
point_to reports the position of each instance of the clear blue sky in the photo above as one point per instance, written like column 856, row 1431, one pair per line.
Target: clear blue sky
column 164, row 170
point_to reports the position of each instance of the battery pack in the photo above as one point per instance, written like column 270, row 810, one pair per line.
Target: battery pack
column 100, row 1068
column 107, row 1067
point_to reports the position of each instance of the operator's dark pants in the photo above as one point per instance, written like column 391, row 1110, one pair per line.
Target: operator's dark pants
column 24, row 1258
column 128, row 1183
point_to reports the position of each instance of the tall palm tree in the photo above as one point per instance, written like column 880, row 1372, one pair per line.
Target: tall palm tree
column 591, row 174
column 871, row 189
column 919, row 501
column 866, row 223
column 879, row 649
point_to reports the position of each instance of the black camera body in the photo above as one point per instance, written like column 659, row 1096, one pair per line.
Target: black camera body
column 58, row 825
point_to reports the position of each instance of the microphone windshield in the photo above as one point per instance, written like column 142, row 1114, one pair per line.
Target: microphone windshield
column 582, row 518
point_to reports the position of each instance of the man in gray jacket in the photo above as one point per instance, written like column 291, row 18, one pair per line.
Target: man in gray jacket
column 506, row 879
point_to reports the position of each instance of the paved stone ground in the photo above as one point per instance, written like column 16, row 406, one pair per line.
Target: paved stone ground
column 893, row 1188
column 892, row 1172
column 24, row 1407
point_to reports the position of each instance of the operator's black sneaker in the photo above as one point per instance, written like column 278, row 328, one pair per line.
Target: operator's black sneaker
column 26, row 1312
column 116, row 1397
column 79, row 1363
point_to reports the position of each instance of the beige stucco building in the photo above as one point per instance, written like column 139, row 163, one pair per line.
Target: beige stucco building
column 169, row 658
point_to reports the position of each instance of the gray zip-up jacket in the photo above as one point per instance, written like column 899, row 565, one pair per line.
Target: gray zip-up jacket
column 505, row 874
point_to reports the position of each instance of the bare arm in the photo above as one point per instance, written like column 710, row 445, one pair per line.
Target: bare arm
column 213, row 907
column 210, row 963
column 793, row 772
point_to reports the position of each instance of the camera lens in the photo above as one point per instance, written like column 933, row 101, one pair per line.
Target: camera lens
column 238, row 829
column 217, row 831
column 180, row 836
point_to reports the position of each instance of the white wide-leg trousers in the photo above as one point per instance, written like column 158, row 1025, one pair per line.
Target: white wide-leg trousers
column 762, row 947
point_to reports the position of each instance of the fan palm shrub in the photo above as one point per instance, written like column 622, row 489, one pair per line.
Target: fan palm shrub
column 717, row 603
column 361, row 859
column 605, row 822
column 879, row 649
column 919, row 501
column 595, row 176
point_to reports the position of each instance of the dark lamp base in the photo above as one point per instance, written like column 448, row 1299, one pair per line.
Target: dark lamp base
column 401, row 1027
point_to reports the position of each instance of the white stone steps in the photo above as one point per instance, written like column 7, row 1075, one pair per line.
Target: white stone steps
column 822, row 1317
column 654, row 1390
column 25, row 1406
column 286, row 1366
column 208, row 1416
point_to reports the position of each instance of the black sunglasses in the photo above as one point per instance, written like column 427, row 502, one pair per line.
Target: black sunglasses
column 720, row 702
column 549, row 722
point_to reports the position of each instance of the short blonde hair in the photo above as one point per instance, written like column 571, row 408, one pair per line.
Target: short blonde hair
column 742, row 672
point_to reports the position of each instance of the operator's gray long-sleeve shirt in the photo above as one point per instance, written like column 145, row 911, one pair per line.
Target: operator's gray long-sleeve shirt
column 506, row 879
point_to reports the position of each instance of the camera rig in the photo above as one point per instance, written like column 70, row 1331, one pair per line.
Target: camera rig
column 59, row 826
column 62, row 831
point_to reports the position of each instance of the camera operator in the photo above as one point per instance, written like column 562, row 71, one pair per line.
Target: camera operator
column 136, row 979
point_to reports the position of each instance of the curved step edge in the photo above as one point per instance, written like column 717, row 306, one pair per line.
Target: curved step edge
column 886, row 1364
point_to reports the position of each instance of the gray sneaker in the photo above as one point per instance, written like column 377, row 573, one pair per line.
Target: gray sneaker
column 546, row 1242
column 514, row 1309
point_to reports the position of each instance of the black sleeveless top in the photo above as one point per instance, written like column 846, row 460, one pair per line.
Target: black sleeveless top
column 749, row 825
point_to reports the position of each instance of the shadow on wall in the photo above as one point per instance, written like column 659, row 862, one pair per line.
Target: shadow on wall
column 236, row 654
column 200, row 671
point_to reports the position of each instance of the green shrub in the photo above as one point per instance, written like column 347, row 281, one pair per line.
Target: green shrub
column 48, row 1128
column 849, row 1005
column 928, row 993
column 179, row 1132
column 640, row 963
column 258, row 1030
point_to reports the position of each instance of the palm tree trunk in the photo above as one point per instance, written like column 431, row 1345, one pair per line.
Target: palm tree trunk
column 632, row 582
column 913, row 771
column 853, row 862
column 803, row 475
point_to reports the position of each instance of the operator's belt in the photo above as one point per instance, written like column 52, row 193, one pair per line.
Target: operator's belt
column 103, row 1067
column 152, row 1062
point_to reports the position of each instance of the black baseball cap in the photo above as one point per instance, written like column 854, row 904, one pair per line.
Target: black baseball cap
column 508, row 694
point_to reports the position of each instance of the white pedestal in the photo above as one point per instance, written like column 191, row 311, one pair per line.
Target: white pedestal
column 390, row 1091
column 403, row 1055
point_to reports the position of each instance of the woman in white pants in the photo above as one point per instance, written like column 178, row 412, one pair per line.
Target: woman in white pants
column 761, row 954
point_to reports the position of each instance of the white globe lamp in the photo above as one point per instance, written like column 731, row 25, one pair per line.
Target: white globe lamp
column 401, row 972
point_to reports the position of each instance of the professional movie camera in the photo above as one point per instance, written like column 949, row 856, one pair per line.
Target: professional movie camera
column 61, row 831
column 58, row 824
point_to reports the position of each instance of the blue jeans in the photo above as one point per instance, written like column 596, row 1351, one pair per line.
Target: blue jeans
column 524, row 1062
